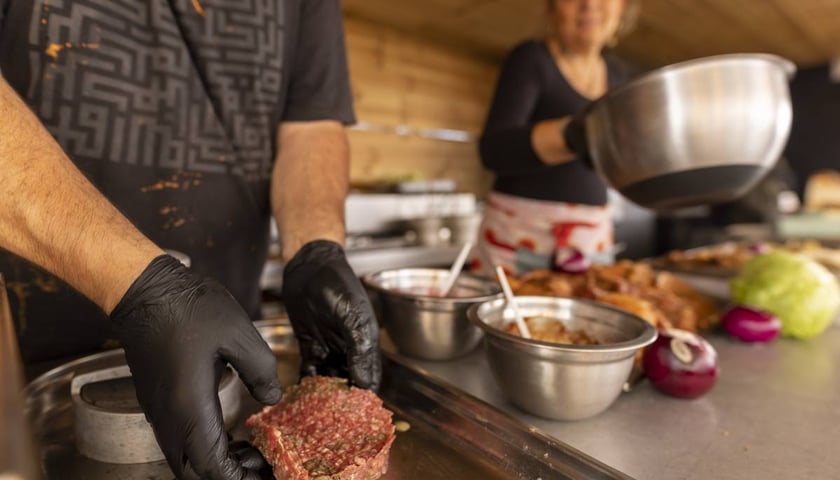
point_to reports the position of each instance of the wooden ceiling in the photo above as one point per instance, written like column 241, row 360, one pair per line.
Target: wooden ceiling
column 804, row 31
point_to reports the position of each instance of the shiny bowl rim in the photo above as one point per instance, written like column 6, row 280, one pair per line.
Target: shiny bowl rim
column 369, row 282
column 786, row 65
column 648, row 335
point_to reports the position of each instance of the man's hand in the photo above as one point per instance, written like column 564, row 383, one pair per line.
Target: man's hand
column 328, row 307
column 331, row 315
column 179, row 330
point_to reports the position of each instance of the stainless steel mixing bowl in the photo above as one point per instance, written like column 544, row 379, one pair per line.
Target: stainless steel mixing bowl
column 428, row 327
column 698, row 132
column 562, row 381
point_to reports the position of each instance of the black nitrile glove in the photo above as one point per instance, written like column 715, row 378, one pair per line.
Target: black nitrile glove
column 251, row 459
column 331, row 315
column 574, row 134
column 179, row 330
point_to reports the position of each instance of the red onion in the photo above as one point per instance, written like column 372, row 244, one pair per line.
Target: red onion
column 759, row 248
column 681, row 364
column 751, row 324
column 570, row 260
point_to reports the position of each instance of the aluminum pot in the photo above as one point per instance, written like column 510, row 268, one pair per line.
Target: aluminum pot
column 425, row 326
column 562, row 381
column 699, row 132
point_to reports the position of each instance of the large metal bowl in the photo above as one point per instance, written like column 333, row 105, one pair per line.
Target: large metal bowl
column 693, row 133
column 562, row 381
column 424, row 326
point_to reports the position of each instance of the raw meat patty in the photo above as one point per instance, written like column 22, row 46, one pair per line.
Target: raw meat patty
column 322, row 429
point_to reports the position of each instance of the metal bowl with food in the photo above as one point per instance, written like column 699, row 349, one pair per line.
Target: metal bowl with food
column 698, row 132
column 422, row 323
column 561, row 381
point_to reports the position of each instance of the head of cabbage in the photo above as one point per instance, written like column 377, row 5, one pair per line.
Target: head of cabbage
column 801, row 292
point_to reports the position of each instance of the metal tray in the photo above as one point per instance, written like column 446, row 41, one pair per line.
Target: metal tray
column 829, row 252
column 452, row 436
column 661, row 263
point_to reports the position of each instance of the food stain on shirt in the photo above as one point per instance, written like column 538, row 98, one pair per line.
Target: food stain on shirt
column 53, row 49
column 159, row 185
column 198, row 8
column 174, row 223
column 180, row 180
column 171, row 222
column 45, row 12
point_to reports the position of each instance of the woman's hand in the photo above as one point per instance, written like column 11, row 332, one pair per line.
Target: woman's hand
column 549, row 145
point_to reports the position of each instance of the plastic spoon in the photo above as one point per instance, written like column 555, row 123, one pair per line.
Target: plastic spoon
column 511, row 300
column 456, row 269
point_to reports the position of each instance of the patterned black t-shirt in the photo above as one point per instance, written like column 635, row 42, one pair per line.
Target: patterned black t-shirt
column 171, row 108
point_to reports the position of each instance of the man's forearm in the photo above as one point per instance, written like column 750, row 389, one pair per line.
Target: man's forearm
column 53, row 216
column 309, row 183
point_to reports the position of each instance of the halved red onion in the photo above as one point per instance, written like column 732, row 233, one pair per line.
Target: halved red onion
column 750, row 324
column 570, row 260
column 681, row 364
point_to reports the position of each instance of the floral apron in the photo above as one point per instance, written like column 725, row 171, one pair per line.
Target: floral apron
column 522, row 234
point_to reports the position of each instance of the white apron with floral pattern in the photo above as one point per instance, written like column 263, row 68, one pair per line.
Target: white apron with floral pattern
column 522, row 234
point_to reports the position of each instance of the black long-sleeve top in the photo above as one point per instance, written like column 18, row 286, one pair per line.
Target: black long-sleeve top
column 531, row 89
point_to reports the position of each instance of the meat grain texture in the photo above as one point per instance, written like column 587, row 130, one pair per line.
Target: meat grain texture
column 322, row 429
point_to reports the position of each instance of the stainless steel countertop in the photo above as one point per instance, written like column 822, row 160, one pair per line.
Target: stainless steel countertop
column 773, row 414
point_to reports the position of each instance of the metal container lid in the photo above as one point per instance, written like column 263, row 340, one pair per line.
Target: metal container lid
column 106, row 426
column 109, row 424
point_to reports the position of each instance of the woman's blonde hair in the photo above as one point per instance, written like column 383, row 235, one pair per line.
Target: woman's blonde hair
column 630, row 18
column 627, row 23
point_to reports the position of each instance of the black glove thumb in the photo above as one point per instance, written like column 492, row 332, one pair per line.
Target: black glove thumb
column 251, row 459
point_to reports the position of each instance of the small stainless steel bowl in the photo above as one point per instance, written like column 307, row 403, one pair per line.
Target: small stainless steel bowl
column 562, row 381
column 424, row 326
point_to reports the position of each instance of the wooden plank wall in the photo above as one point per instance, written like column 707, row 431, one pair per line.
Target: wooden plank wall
column 804, row 31
column 403, row 87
